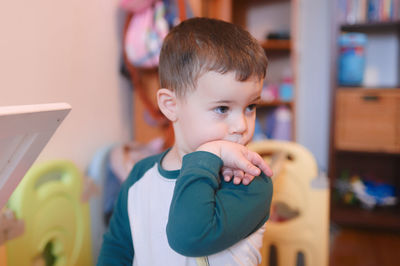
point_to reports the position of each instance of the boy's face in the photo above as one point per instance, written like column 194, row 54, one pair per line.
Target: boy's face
column 220, row 108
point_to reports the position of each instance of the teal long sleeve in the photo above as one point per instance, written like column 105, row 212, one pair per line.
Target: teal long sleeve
column 207, row 214
column 117, row 248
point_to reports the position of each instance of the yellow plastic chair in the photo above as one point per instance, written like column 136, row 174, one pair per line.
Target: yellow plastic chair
column 298, row 230
column 56, row 220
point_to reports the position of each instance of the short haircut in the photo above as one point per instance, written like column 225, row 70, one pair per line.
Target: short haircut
column 200, row 45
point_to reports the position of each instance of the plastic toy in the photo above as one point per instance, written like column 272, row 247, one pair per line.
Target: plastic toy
column 300, row 234
column 372, row 194
column 363, row 191
column 52, row 203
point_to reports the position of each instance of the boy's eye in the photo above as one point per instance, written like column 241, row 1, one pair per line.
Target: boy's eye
column 221, row 109
column 251, row 107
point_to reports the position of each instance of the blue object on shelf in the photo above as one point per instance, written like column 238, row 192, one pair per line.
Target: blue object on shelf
column 352, row 58
column 286, row 90
column 384, row 194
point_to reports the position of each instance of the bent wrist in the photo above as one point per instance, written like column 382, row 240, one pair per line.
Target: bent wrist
column 212, row 147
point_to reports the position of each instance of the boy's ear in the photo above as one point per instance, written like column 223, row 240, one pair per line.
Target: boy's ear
column 166, row 100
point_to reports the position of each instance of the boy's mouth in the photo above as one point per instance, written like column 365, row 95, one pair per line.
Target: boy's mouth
column 238, row 140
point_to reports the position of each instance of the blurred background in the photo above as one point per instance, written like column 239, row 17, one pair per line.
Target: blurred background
column 332, row 86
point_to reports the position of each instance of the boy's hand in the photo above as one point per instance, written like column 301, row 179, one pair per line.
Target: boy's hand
column 239, row 162
column 238, row 176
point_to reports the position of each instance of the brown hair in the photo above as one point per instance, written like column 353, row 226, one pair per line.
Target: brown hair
column 199, row 45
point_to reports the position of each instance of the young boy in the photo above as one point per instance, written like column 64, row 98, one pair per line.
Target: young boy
column 188, row 201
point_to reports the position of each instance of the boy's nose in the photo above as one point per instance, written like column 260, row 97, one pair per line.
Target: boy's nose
column 238, row 125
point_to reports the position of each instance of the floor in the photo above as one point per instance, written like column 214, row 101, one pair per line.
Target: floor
column 354, row 247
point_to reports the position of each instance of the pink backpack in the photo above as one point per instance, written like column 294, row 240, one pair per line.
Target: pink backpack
column 136, row 6
column 146, row 32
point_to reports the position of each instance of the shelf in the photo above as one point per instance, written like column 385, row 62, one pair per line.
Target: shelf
column 382, row 218
column 276, row 45
column 369, row 89
column 372, row 26
column 275, row 104
column 367, row 152
column 364, row 134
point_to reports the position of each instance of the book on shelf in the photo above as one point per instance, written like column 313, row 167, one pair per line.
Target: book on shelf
column 364, row 11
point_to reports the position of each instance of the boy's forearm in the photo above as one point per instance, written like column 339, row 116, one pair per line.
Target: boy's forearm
column 208, row 215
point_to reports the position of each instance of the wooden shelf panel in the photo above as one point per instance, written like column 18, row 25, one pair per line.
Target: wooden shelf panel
column 383, row 218
column 277, row 45
column 367, row 152
column 275, row 104
column 372, row 26
column 369, row 89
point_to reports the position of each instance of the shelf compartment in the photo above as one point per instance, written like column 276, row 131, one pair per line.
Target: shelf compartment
column 379, row 168
column 381, row 218
column 368, row 120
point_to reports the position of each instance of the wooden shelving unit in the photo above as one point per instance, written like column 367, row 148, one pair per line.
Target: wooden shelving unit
column 276, row 49
column 365, row 140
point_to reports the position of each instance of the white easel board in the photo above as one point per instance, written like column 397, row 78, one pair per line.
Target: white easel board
column 24, row 132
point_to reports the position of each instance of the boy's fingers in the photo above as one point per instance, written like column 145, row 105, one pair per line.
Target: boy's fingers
column 250, row 168
column 247, row 179
column 227, row 170
column 245, row 164
column 227, row 173
column 238, row 174
column 266, row 169
column 227, row 178
column 257, row 160
column 236, row 180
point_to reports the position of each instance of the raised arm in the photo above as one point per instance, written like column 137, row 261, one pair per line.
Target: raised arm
column 207, row 214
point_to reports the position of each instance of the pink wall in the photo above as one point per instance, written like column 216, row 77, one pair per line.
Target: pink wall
column 67, row 51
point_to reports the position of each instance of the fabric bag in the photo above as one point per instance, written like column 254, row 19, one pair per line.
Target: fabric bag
column 146, row 32
column 136, row 6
